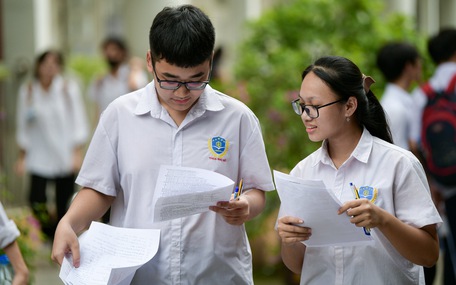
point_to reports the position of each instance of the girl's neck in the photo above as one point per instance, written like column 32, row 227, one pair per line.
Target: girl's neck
column 340, row 148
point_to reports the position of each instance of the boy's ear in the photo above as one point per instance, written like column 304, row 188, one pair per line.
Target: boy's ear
column 150, row 66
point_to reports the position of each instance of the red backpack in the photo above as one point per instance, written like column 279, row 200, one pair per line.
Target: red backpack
column 438, row 133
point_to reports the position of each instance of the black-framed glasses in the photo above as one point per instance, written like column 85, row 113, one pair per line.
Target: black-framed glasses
column 190, row 85
column 311, row 110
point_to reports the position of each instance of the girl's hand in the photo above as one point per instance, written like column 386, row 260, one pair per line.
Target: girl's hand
column 290, row 233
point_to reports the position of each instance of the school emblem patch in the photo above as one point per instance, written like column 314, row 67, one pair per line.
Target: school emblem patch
column 368, row 192
column 218, row 147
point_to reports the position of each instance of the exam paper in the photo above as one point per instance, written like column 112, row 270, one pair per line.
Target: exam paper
column 317, row 206
column 185, row 191
column 110, row 255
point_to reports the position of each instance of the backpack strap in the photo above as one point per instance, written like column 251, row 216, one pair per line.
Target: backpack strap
column 428, row 91
column 431, row 94
column 452, row 86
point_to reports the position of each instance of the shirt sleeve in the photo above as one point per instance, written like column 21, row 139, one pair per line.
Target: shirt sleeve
column 8, row 229
column 413, row 202
column 254, row 162
column 100, row 170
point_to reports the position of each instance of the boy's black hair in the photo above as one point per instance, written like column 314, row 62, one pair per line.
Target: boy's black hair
column 393, row 57
column 115, row 40
column 442, row 47
column 183, row 36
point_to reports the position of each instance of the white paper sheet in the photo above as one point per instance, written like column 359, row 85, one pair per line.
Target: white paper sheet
column 317, row 206
column 110, row 255
column 185, row 191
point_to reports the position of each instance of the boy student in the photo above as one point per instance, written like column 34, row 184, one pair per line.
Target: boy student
column 400, row 64
column 177, row 119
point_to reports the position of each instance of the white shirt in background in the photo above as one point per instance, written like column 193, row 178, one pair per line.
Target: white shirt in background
column 398, row 105
column 50, row 125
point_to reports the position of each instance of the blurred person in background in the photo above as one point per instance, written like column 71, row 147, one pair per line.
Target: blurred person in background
column 442, row 50
column 400, row 64
column 124, row 74
column 51, row 133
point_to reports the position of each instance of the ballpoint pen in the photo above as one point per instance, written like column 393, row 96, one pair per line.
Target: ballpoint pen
column 236, row 193
column 239, row 189
column 353, row 187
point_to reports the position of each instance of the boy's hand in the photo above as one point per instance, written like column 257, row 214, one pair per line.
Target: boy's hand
column 235, row 212
column 65, row 242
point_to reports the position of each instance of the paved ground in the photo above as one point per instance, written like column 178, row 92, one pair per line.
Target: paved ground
column 46, row 272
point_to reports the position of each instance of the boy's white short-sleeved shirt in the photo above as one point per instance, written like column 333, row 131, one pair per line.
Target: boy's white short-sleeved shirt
column 135, row 136
column 393, row 179
column 398, row 105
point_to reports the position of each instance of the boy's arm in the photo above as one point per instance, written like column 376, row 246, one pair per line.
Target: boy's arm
column 88, row 205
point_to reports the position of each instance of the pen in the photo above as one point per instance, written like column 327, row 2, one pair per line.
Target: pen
column 241, row 188
column 235, row 193
column 353, row 187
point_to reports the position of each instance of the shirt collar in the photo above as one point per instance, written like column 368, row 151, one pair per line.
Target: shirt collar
column 360, row 153
column 398, row 93
column 149, row 102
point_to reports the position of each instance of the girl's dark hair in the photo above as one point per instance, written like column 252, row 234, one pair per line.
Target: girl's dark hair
column 184, row 36
column 346, row 80
column 40, row 59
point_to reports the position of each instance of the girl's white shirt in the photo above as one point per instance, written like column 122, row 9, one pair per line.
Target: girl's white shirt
column 398, row 185
column 50, row 125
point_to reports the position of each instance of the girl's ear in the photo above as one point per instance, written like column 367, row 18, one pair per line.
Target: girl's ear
column 350, row 106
